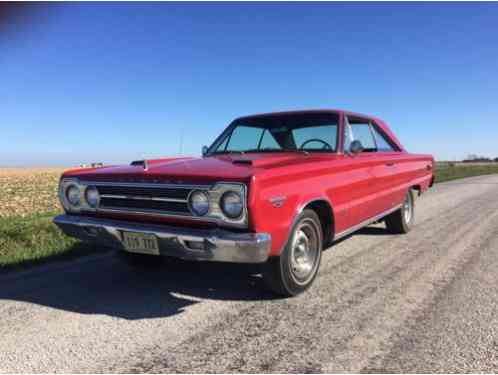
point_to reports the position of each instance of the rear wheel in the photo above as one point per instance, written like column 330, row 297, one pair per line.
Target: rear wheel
column 402, row 220
column 296, row 268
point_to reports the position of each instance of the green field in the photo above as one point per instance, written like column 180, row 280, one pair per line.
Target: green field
column 453, row 171
column 27, row 235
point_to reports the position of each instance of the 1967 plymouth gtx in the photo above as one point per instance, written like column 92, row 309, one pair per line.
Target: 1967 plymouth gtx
column 274, row 189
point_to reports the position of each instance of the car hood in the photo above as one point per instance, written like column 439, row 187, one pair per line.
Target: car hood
column 232, row 167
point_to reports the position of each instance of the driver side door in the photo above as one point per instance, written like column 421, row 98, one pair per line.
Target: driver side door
column 365, row 183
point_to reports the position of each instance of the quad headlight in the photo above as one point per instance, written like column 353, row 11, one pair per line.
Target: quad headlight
column 92, row 196
column 199, row 202
column 73, row 195
column 231, row 204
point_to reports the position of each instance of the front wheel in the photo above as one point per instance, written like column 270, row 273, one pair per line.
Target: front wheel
column 402, row 220
column 296, row 268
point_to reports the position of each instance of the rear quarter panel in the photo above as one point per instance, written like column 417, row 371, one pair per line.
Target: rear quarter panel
column 414, row 170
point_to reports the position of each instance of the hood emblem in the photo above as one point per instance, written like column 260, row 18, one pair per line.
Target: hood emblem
column 277, row 202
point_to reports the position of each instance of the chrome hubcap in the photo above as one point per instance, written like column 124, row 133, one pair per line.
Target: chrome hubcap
column 408, row 208
column 304, row 252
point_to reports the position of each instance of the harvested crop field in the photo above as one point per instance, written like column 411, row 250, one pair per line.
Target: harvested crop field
column 27, row 191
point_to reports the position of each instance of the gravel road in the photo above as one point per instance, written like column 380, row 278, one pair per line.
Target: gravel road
column 423, row 302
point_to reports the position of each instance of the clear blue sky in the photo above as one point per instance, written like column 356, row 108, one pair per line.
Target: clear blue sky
column 116, row 82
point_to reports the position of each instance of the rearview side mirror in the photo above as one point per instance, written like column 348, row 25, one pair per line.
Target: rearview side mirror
column 204, row 150
column 356, row 147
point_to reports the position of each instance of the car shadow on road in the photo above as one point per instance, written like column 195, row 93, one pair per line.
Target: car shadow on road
column 373, row 231
column 107, row 285
column 111, row 287
column 369, row 231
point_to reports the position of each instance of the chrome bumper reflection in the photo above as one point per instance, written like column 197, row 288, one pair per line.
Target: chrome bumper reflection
column 186, row 243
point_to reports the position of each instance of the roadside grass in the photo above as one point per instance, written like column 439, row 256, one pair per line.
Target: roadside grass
column 26, row 241
column 453, row 171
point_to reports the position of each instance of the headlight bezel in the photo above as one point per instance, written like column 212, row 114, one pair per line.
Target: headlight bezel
column 216, row 212
column 216, row 193
column 64, row 185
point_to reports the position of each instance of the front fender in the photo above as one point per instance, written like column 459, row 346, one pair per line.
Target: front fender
column 274, row 209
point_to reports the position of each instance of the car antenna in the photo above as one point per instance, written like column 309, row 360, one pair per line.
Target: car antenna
column 180, row 151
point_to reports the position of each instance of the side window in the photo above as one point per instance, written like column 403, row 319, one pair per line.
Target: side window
column 382, row 143
column 244, row 138
column 360, row 130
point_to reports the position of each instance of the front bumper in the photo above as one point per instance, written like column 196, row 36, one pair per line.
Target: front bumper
column 186, row 243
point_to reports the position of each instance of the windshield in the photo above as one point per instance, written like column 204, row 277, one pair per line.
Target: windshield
column 280, row 133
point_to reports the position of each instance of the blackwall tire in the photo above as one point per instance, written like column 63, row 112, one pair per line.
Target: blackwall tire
column 296, row 268
column 402, row 220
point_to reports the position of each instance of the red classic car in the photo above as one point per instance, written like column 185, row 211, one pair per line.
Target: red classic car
column 274, row 189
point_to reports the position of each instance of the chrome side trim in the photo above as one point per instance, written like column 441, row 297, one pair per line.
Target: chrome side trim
column 365, row 223
column 140, row 198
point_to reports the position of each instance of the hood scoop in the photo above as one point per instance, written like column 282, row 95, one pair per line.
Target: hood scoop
column 143, row 163
column 242, row 161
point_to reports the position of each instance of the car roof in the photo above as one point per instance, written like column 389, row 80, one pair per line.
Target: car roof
column 309, row 111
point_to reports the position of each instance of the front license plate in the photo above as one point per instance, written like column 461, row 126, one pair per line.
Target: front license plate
column 140, row 243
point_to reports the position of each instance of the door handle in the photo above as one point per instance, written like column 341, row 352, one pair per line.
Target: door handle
column 390, row 164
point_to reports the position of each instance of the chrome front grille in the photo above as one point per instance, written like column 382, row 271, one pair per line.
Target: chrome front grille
column 153, row 199
column 146, row 198
column 150, row 192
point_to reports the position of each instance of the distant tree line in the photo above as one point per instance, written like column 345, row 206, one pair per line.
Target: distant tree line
column 472, row 158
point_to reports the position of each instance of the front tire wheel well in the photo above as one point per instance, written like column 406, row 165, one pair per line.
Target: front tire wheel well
column 326, row 215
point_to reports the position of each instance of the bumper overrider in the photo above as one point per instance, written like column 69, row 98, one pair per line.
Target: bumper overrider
column 186, row 243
